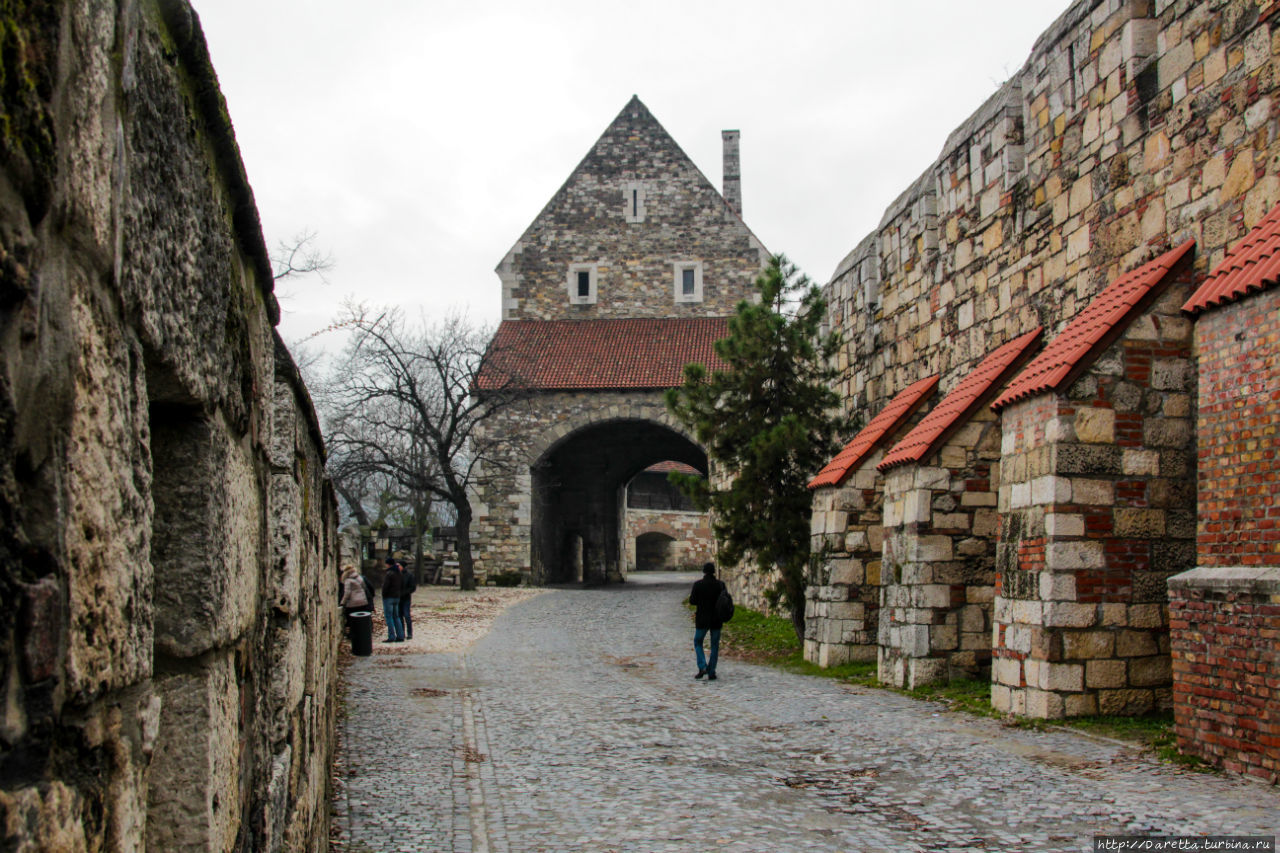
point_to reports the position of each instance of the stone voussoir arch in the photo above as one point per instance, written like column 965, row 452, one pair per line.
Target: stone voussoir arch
column 548, row 439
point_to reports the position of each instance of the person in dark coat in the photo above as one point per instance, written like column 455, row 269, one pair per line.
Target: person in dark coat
column 409, row 583
column 391, row 585
column 706, row 620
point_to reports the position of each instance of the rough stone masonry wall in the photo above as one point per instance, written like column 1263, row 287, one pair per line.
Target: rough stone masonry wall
column 504, row 512
column 690, row 531
column 1132, row 126
column 1225, row 626
column 937, row 571
column 1097, row 501
column 167, row 543
column 680, row 217
column 842, row 596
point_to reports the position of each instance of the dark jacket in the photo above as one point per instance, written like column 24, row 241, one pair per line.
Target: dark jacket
column 703, row 597
column 392, row 583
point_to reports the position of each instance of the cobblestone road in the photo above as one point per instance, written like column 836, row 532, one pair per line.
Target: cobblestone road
column 576, row 725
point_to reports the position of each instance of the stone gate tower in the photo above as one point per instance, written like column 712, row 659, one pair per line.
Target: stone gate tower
column 627, row 274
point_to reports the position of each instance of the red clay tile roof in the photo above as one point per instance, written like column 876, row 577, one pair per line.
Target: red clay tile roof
column 890, row 418
column 1252, row 264
column 667, row 467
column 961, row 403
column 1092, row 330
column 598, row 354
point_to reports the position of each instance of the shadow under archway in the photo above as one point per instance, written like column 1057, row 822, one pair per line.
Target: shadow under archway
column 579, row 487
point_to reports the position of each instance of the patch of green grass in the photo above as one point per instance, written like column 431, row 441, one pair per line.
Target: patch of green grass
column 772, row 640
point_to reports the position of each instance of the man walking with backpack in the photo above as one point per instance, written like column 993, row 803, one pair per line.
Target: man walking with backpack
column 708, row 618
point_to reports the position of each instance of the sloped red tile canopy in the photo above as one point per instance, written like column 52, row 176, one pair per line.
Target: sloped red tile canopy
column 1093, row 329
column 1253, row 264
column 901, row 407
column 601, row 354
column 966, row 398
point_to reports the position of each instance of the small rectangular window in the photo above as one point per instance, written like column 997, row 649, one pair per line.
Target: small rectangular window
column 688, row 281
column 582, row 283
column 633, row 196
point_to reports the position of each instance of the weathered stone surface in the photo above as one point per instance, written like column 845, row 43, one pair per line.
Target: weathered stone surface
column 142, row 380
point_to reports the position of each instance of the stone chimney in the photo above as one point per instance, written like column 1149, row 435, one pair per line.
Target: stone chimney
column 732, row 172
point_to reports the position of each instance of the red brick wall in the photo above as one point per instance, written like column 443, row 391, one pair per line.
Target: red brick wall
column 1239, row 491
column 1226, row 668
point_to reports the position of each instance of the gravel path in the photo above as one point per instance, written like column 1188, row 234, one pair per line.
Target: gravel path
column 575, row 724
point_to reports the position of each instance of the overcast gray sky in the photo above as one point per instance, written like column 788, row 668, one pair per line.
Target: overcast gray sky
column 419, row 138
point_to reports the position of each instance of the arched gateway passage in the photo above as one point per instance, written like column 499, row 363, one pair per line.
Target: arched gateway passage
column 579, row 488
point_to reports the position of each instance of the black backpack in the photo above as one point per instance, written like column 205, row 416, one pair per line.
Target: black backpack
column 409, row 581
column 724, row 604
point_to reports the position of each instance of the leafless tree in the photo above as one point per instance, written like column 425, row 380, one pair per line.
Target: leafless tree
column 300, row 256
column 404, row 404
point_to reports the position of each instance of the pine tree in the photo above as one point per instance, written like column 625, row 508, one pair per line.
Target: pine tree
column 771, row 422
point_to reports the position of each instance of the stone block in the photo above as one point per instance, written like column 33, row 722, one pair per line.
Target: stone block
column 195, row 771
column 1155, row 671
column 847, row 610
column 1027, row 612
column 1144, row 463
column 1092, row 492
column 1074, row 554
column 973, row 619
column 1131, row 644
column 207, row 540
column 1140, row 523
column 1001, row 698
column 986, row 522
column 1114, row 614
column 1080, row 705
column 930, row 549
column 1085, row 459
column 951, row 521
column 1062, row 614
column 1147, row 615
column 1062, row 524
column 1043, row 705
column 1062, row 677
column 922, row 671
column 847, row 572
column 1127, row 703
column 1088, row 644
column 932, row 478
column 1095, row 426
column 1167, row 432
column 943, row 638
column 1104, row 673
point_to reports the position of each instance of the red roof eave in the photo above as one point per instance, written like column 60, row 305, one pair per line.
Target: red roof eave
column 963, row 400
column 1252, row 265
column 1094, row 329
column 893, row 415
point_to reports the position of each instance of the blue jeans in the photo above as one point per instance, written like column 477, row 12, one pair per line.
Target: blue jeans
column 698, row 635
column 391, row 612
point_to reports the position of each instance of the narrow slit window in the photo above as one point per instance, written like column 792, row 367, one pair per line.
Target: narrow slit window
column 584, row 284
column 635, row 202
column 687, row 281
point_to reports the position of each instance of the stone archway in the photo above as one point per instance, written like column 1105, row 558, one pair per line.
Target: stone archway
column 654, row 550
column 578, row 494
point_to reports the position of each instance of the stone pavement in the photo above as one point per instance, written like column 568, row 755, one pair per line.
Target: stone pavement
column 575, row 724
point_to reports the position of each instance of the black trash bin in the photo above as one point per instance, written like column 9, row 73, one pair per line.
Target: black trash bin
column 361, row 624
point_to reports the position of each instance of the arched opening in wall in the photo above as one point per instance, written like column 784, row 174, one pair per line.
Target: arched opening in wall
column 654, row 552
column 579, row 496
